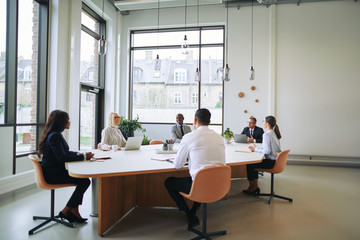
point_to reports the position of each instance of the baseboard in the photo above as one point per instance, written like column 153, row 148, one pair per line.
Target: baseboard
column 14, row 182
column 328, row 161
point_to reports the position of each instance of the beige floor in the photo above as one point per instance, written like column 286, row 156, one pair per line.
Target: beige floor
column 326, row 206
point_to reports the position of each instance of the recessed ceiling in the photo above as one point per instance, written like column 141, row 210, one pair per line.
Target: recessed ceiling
column 129, row 5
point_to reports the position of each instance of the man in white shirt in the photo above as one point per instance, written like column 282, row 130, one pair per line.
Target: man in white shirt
column 201, row 148
column 179, row 129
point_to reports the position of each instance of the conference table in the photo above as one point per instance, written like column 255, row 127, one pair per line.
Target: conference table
column 132, row 178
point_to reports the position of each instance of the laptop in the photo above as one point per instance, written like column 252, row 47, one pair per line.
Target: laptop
column 133, row 143
column 240, row 138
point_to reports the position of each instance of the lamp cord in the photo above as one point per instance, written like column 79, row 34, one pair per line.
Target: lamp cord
column 252, row 31
column 227, row 33
column 102, row 15
column 185, row 14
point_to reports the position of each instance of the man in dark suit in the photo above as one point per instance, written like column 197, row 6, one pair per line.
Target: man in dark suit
column 253, row 132
column 179, row 129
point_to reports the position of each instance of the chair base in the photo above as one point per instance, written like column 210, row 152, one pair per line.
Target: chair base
column 52, row 217
column 204, row 234
column 271, row 195
column 49, row 220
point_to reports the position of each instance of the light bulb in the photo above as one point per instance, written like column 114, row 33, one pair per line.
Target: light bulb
column 102, row 46
column 157, row 65
column 185, row 46
column 197, row 75
column 252, row 73
column 226, row 73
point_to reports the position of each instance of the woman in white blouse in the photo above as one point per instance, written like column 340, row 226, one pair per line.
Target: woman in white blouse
column 270, row 147
column 111, row 136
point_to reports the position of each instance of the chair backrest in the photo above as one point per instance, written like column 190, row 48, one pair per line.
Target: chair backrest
column 280, row 162
column 39, row 175
column 210, row 184
column 153, row 142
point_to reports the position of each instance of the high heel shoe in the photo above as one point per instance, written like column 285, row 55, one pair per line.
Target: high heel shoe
column 76, row 219
column 255, row 192
column 67, row 217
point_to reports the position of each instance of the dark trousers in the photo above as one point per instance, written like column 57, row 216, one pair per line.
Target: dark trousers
column 250, row 168
column 175, row 185
column 61, row 176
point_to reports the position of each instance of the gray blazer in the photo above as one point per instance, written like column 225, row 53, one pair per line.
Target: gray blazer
column 176, row 132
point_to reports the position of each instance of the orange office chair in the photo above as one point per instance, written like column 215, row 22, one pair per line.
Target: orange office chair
column 210, row 185
column 153, row 142
column 40, row 181
column 278, row 168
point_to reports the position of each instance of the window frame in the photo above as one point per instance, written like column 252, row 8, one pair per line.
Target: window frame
column 132, row 48
column 95, row 89
column 11, row 78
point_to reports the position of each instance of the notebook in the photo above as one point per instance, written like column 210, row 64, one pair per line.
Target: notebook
column 133, row 143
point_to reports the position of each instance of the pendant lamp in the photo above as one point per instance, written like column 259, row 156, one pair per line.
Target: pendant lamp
column 252, row 70
column 185, row 44
column 197, row 72
column 157, row 65
column 226, row 70
column 102, row 43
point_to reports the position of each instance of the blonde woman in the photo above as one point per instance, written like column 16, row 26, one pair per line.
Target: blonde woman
column 111, row 136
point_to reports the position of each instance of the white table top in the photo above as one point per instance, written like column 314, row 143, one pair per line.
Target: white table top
column 139, row 161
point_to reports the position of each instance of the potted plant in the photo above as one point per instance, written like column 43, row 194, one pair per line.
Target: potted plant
column 146, row 140
column 129, row 126
column 227, row 134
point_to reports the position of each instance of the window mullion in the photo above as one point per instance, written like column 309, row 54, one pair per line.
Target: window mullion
column 11, row 62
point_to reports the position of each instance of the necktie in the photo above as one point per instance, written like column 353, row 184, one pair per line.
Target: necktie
column 251, row 133
column 182, row 130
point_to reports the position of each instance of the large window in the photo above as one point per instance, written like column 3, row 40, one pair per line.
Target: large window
column 2, row 58
column 23, row 72
column 157, row 96
column 91, row 78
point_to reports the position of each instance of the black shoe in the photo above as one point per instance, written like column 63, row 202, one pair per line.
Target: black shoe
column 76, row 219
column 255, row 192
column 68, row 217
column 246, row 191
column 193, row 223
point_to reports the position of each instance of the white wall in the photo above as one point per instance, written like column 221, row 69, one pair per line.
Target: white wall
column 307, row 70
column 318, row 78
column 6, row 149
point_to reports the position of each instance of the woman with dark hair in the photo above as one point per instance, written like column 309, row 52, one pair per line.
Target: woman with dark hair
column 55, row 152
column 270, row 147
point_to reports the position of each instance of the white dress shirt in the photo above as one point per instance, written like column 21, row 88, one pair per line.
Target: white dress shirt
column 270, row 145
column 203, row 147
column 112, row 136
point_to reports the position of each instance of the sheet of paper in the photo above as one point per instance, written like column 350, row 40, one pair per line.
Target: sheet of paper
column 160, row 158
column 246, row 150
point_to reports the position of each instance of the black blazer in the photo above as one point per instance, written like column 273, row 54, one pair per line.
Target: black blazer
column 56, row 153
column 258, row 132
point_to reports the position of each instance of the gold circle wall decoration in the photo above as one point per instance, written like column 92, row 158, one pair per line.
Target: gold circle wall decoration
column 253, row 88
column 257, row 100
column 241, row 94
column 245, row 111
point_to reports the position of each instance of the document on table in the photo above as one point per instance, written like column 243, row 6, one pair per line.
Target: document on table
column 246, row 150
column 160, row 157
